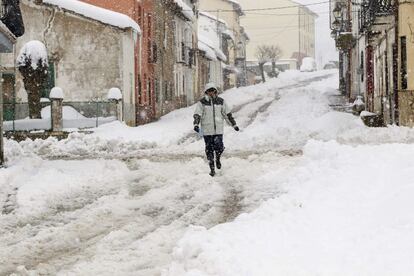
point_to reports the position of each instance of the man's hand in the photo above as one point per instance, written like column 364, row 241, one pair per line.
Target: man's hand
column 236, row 128
column 196, row 128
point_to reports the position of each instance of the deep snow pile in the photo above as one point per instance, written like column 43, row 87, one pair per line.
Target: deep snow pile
column 346, row 211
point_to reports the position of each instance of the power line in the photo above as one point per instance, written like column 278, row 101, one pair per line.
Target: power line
column 267, row 9
column 283, row 14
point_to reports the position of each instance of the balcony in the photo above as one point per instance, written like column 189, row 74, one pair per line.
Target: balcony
column 372, row 9
column 345, row 41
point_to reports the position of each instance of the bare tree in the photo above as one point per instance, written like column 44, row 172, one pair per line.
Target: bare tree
column 262, row 55
column 33, row 65
column 274, row 53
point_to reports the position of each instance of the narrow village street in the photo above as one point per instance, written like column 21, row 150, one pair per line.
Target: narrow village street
column 118, row 203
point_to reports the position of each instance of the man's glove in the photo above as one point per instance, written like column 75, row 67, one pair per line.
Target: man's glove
column 196, row 128
column 236, row 128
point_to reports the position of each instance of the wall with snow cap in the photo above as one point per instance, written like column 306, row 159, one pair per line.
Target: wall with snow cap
column 103, row 15
column 89, row 57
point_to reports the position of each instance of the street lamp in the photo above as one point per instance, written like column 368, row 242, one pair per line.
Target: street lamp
column 337, row 11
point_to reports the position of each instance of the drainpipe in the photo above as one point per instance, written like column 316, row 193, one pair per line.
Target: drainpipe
column 396, row 71
column 349, row 74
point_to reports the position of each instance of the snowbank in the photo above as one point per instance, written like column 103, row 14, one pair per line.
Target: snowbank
column 281, row 114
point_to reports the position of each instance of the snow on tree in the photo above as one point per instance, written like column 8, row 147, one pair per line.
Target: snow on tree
column 33, row 65
column 274, row 53
column 262, row 55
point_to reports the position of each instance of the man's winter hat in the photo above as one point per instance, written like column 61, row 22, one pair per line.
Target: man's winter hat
column 209, row 86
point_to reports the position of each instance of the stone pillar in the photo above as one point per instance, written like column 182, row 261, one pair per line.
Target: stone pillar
column 57, row 114
column 56, row 98
column 115, row 96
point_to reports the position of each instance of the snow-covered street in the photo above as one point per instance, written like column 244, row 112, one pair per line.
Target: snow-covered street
column 304, row 190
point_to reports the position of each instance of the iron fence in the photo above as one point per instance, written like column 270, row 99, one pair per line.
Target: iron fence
column 76, row 115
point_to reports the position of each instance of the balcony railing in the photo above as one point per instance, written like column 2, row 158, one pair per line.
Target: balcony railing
column 371, row 9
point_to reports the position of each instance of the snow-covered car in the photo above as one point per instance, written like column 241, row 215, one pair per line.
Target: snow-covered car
column 308, row 65
column 330, row 65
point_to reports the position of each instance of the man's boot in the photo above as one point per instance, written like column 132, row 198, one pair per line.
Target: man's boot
column 218, row 163
column 212, row 171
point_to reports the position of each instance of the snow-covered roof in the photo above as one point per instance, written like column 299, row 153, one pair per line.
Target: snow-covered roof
column 209, row 35
column 97, row 13
column 209, row 15
column 206, row 42
column 209, row 53
column 186, row 10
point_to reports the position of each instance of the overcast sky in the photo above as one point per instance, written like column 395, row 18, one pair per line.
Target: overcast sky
column 325, row 45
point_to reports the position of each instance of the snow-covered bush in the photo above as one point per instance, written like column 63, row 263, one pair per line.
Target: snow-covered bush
column 33, row 64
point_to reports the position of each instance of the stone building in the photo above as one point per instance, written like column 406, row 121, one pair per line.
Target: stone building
column 143, row 13
column 231, row 12
column 211, row 33
column 376, row 43
column 89, row 52
column 185, row 69
column 405, row 56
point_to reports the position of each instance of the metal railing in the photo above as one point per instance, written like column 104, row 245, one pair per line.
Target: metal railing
column 371, row 9
column 78, row 115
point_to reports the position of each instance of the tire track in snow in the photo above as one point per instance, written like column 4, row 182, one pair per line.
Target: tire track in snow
column 155, row 202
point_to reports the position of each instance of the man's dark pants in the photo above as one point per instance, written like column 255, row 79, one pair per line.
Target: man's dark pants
column 214, row 143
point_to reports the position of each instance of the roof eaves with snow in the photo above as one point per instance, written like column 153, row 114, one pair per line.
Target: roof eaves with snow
column 218, row 53
column 185, row 9
column 96, row 13
column 208, row 52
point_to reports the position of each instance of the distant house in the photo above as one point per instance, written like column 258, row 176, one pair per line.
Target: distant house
column 231, row 12
column 291, row 28
column 211, row 32
column 90, row 50
column 185, row 69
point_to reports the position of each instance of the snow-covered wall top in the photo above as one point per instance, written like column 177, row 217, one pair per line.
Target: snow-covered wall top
column 100, row 14
column 186, row 9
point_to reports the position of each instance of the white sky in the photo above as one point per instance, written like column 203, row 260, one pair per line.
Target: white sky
column 325, row 45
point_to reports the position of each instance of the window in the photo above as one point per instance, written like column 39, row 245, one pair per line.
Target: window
column 139, row 90
column 361, row 66
column 157, row 88
column 403, row 73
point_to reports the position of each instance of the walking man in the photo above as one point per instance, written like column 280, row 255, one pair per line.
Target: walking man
column 210, row 113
